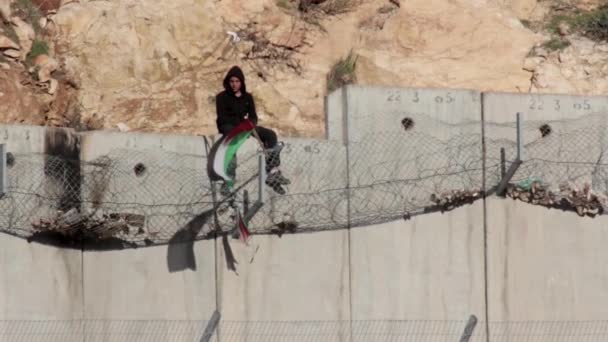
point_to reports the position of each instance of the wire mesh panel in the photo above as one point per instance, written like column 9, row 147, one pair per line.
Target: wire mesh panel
column 558, row 151
column 414, row 331
column 405, row 151
column 549, row 331
column 30, row 195
column 316, row 198
column 564, row 143
column 567, row 159
column 156, row 193
column 297, row 331
column 408, row 154
column 389, row 330
column 300, row 331
column 41, row 331
column 102, row 331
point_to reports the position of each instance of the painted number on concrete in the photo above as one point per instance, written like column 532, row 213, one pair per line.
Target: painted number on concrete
column 539, row 104
column 447, row 98
column 584, row 105
column 395, row 96
column 536, row 104
column 314, row 148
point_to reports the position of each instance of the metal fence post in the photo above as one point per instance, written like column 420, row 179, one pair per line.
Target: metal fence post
column 503, row 163
column 468, row 329
column 251, row 211
column 211, row 326
column 3, row 184
column 262, row 178
column 520, row 139
column 502, row 186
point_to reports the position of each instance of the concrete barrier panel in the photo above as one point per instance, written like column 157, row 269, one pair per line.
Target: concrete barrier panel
column 160, row 293
column 175, row 282
column 427, row 268
column 40, row 285
column 303, row 277
column 30, row 195
column 565, row 138
column 502, row 107
column 317, row 198
column 406, row 145
column 162, row 177
column 545, row 265
column 335, row 104
column 20, row 139
column 39, row 282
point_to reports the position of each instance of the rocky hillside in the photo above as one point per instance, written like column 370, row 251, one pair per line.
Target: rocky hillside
column 149, row 65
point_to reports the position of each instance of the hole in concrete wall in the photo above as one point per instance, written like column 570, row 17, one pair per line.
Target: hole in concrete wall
column 545, row 130
column 10, row 159
column 139, row 169
column 407, row 123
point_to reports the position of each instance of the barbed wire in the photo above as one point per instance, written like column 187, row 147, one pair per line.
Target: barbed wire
column 567, row 160
column 147, row 197
column 278, row 331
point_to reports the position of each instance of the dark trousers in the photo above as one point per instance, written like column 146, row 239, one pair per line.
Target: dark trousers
column 270, row 141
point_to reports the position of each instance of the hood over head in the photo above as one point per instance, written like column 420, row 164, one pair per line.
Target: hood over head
column 235, row 71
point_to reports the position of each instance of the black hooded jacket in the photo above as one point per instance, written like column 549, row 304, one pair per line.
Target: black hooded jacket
column 231, row 110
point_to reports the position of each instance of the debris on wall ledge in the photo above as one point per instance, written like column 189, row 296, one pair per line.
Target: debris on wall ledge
column 77, row 226
column 585, row 202
column 455, row 198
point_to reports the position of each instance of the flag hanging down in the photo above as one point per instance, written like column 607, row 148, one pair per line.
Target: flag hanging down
column 224, row 150
column 243, row 230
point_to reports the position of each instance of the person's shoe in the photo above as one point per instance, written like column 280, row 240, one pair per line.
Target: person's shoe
column 281, row 179
column 273, row 181
column 277, row 188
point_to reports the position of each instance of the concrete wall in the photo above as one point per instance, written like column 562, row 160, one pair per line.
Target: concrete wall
column 426, row 268
column 398, row 168
column 37, row 282
column 578, row 135
column 174, row 179
column 297, row 277
column 25, row 176
column 542, row 265
column 430, row 267
column 546, row 265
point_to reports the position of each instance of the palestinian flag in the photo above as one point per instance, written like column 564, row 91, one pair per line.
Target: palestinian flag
column 224, row 150
column 243, row 230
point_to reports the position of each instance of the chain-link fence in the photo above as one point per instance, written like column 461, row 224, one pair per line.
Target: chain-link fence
column 423, row 165
column 565, row 162
column 101, row 330
column 303, row 331
column 145, row 197
column 233, row 331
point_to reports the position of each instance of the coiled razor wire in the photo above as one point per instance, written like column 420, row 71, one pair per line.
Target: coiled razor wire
column 143, row 197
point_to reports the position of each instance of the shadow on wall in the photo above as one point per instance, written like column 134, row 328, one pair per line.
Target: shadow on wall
column 56, row 239
column 180, row 252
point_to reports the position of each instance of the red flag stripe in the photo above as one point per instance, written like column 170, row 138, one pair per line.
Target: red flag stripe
column 243, row 230
column 244, row 126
